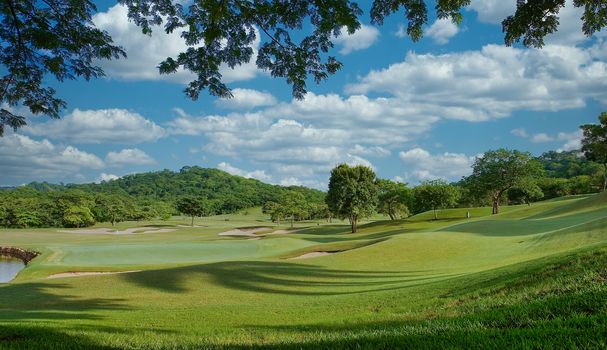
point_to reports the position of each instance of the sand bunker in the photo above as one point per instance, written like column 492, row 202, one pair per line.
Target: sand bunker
column 284, row 232
column 76, row 274
column 128, row 231
column 311, row 255
column 246, row 232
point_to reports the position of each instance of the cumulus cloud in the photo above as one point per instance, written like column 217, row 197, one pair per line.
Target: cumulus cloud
column 442, row 30
column 246, row 99
column 103, row 177
column 22, row 157
column 255, row 174
column 495, row 81
column 493, row 11
column 99, row 126
column 146, row 52
column 373, row 151
column 129, row 156
column 421, row 165
column 362, row 39
column 304, row 139
column 569, row 31
column 573, row 140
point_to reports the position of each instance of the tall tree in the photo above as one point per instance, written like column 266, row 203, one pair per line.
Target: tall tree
column 436, row 194
column 393, row 199
column 352, row 193
column 594, row 143
column 192, row 206
column 57, row 38
column 498, row 171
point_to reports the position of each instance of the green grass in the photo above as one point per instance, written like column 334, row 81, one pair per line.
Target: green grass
column 531, row 277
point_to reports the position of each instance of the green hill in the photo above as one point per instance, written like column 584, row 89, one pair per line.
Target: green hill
column 166, row 185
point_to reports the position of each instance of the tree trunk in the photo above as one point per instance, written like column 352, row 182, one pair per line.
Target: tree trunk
column 353, row 220
column 292, row 218
column 604, row 176
column 391, row 216
column 496, row 204
column 192, row 220
column 435, row 216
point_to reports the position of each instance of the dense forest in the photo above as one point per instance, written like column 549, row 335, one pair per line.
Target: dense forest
column 136, row 197
column 155, row 195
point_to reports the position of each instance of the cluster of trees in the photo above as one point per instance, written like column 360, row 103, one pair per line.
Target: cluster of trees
column 192, row 191
column 26, row 207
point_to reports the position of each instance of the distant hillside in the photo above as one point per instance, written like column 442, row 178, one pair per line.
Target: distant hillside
column 567, row 164
column 234, row 192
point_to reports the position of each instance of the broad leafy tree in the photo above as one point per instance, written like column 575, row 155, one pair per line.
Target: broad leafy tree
column 110, row 208
column 293, row 204
column 78, row 217
column 436, row 194
column 352, row 193
column 57, row 38
column 498, row 171
column 192, row 206
column 393, row 199
column 46, row 38
column 594, row 143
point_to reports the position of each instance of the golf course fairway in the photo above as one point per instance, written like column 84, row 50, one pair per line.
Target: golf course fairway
column 531, row 277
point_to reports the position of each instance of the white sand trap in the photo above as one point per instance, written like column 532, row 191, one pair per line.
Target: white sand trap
column 128, row 231
column 284, row 232
column 311, row 255
column 246, row 232
column 76, row 274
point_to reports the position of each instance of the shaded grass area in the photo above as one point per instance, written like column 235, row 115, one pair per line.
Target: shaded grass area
column 554, row 302
column 332, row 247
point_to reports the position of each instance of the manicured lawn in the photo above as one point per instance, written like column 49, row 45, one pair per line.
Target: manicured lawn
column 532, row 277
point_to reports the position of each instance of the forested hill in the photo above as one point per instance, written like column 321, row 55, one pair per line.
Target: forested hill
column 233, row 192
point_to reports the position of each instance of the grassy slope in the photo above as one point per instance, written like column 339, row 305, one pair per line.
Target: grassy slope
column 528, row 277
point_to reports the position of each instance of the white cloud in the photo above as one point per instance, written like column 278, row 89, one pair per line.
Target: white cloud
column 541, row 138
column 246, row 99
column 442, row 30
column 495, row 81
column 573, row 140
column 362, row 39
column 146, row 52
column 99, row 126
column 424, row 166
column 569, row 31
column 24, row 158
column 129, row 156
column 255, row 174
column 520, row 132
column 493, row 11
column 401, row 32
column 373, row 151
column 103, row 177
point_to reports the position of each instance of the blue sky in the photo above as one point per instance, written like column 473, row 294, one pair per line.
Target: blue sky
column 412, row 111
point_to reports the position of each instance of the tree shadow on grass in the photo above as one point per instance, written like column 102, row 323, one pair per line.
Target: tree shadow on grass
column 38, row 300
column 280, row 278
column 40, row 315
